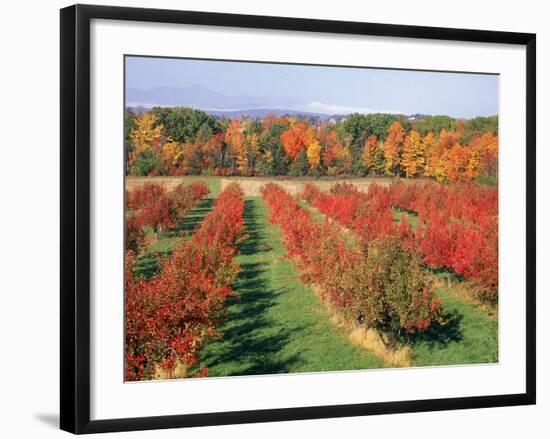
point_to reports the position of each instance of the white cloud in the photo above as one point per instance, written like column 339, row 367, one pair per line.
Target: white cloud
column 320, row 107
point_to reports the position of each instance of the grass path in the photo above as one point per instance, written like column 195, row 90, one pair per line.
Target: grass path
column 277, row 325
column 147, row 264
column 185, row 226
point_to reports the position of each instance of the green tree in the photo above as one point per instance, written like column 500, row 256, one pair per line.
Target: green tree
column 478, row 125
column 281, row 161
column 360, row 126
column 265, row 165
column 357, row 127
column 130, row 124
column 272, row 150
column 182, row 124
column 300, row 166
column 147, row 164
column 204, row 133
column 482, row 124
column 378, row 124
column 435, row 124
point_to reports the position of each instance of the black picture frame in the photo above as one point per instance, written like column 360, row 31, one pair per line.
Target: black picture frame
column 75, row 217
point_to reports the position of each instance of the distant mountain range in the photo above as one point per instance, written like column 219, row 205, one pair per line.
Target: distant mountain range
column 221, row 105
column 217, row 104
column 257, row 113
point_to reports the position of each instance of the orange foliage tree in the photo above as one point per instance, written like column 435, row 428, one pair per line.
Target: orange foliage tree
column 297, row 137
column 486, row 145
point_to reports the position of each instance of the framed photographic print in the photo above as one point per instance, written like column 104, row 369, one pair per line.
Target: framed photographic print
column 285, row 218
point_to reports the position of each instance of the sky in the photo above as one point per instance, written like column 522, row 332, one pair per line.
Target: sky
column 329, row 90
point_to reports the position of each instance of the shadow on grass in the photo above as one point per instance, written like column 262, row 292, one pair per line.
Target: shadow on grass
column 251, row 343
column 441, row 334
column 194, row 217
column 146, row 266
column 256, row 241
column 446, row 273
column 251, row 340
column 400, row 209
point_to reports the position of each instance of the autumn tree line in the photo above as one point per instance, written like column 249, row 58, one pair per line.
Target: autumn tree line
column 186, row 141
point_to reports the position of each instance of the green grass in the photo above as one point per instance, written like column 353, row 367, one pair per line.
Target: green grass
column 147, row 264
column 278, row 324
column 469, row 337
column 166, row 241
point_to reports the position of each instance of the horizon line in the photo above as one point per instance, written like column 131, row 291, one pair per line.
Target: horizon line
column 289, row 111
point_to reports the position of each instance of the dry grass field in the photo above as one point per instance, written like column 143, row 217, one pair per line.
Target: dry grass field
column 169, row 182
column 252, row 185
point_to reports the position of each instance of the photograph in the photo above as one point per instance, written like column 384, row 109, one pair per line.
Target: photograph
column 264, row 220
column 299, row 218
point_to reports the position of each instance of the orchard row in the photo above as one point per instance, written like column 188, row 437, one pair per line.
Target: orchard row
column 379, row 285
column 169, row 316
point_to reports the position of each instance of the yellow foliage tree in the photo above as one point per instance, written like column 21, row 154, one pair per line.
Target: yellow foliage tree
column 473, row 166
column 413, row 159
column 171, row 153
column 313, row 152
column 253, row 149
column 436, row 163
column 146, row 133
column 235, row 138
